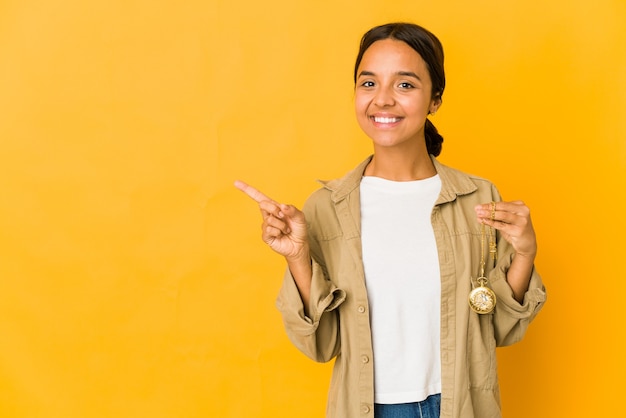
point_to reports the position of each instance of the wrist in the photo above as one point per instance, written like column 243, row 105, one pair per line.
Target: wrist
column 529, row 255
column 302, row 256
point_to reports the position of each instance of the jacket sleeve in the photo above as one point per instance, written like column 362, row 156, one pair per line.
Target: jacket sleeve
column 511, row 318
column 316, row 335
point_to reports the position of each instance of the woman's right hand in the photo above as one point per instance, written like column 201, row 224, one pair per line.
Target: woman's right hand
column 284, row 226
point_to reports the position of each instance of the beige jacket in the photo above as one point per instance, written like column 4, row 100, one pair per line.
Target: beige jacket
column 338, row 324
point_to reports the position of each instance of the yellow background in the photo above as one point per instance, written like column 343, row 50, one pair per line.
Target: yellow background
column 133, row 281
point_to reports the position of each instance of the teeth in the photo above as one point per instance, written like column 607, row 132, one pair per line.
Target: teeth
column 385, row 120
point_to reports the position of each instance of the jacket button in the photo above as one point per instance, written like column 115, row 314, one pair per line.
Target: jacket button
column 361, row 309
column 365, row 359
column 365, row 409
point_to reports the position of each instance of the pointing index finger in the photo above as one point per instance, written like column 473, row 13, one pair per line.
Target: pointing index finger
column 252, row 192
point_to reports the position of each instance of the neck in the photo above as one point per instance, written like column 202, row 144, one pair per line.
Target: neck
column 399, row 165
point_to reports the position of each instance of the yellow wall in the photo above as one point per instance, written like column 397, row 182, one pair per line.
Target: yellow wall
column 132, row 278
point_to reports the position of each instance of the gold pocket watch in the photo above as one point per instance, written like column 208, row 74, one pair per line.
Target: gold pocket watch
column 482, row 300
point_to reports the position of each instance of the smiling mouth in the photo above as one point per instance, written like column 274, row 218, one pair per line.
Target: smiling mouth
column 379, row 119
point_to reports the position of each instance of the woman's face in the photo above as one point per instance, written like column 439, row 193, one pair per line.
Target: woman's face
column 393, row 94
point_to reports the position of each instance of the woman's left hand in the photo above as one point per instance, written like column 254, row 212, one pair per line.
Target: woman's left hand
column 512, row 219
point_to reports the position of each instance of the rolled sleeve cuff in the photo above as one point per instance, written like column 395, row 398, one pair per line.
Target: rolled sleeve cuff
column 324, row 297
column 534, row 297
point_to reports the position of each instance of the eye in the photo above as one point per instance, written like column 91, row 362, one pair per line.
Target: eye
column 367, row 84
column 405, row 85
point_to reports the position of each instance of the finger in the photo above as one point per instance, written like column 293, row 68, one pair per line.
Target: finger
column 273, row 222
column 505, row 218
column 269, row 234
column 517, row 207
column 270, row 207
column 292, row 212
column 500, row 210
column 252, row 192
column 503, row 225
column 483, row 207
column 506, row 229
column 486, row 211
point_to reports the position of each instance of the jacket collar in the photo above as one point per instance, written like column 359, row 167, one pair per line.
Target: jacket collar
column 453, row 182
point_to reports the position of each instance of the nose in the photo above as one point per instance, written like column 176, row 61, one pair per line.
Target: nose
column 384, row 97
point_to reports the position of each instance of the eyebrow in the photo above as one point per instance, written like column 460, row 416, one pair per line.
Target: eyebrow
column 409, row 74
column 402, row 73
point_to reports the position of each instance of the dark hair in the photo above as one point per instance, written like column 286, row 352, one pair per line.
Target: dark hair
column 429, row 48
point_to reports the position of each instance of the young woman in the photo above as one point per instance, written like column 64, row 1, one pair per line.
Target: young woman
column 407, row 272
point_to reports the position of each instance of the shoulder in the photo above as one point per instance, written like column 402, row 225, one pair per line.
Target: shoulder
column 446, row 170
column 333, row 191
column 338, row 195
column 321, row 216
column 456, row 184
column 319, row 200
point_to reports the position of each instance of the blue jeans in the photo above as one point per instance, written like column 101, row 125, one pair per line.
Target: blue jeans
column 428, row 408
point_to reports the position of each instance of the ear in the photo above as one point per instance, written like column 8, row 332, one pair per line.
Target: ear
column 435, row 104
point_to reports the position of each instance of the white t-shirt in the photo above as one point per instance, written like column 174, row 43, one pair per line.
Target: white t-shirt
column 403, row 287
